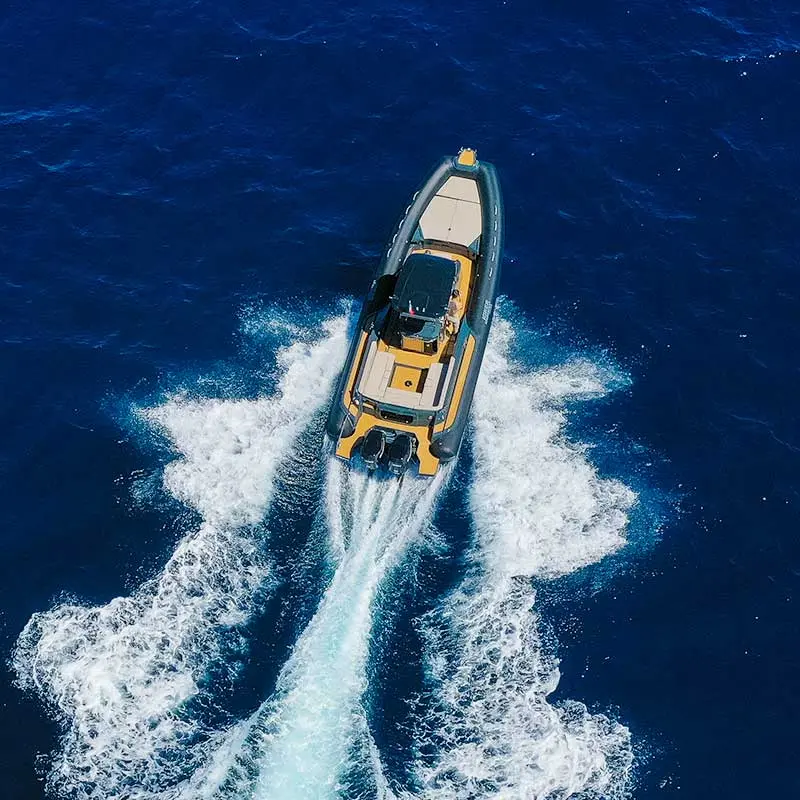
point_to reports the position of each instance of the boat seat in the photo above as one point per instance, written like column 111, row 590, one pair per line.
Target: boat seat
column 377, row 375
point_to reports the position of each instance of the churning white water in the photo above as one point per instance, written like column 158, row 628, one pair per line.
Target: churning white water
column 539, row 510
column 301, row 741
column 121, row 676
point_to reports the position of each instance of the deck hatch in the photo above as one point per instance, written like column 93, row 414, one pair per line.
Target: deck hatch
column 408, row 378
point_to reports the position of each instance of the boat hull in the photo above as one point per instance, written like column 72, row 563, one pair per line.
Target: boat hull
column 439, row 435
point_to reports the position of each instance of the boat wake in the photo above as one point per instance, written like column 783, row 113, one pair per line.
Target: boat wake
column 539, row 511
column 305, row 740
column 126, row 679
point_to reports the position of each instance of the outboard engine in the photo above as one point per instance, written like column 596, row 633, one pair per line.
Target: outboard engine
column 400, row 452
column 373, row 447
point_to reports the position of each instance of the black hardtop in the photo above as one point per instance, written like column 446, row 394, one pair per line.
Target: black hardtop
column 424, row 285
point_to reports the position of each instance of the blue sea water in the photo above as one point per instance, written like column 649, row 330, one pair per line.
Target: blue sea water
column 189, row 188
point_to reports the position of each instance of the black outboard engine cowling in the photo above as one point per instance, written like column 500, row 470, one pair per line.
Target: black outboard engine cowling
column 373, row 447
column 400, row 452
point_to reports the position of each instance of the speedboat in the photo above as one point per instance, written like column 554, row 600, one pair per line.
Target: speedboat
column 406, row 388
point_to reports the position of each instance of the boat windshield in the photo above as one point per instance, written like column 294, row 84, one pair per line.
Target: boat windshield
column 416, row 327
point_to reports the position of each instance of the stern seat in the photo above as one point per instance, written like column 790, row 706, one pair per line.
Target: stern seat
column 375, row 383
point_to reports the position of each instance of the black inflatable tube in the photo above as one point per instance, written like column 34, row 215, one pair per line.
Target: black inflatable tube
column 340, row 421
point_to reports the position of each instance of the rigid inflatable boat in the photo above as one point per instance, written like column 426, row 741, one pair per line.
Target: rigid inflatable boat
column 406, row 388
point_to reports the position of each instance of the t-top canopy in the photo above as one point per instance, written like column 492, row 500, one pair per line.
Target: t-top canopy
column 424, row 286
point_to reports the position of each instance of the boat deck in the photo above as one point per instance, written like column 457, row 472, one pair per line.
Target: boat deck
column 407, row 379
column 411, row 379
column 454, row 213
column 386, row 379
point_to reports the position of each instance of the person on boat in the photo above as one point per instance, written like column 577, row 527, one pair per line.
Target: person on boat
column 453, row 316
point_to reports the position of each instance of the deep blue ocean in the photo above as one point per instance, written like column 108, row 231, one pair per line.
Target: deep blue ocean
column 599, row 600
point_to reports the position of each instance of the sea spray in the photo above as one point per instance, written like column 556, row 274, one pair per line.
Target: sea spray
column 539, row 510
column 121, row 677
column 538, row 506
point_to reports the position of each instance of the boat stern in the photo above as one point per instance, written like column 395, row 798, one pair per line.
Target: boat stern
column 383, row 444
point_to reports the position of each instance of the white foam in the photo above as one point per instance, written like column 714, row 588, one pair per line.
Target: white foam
column 539, row 507
column 539, row 510
column 303, row 738
column 494, row 731
column 121, row 676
